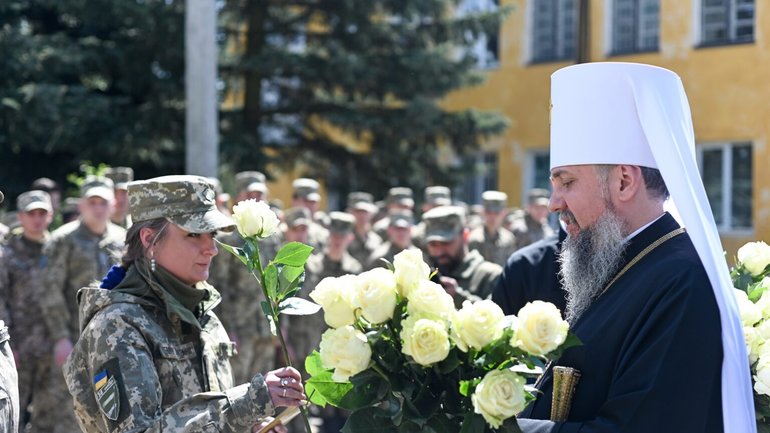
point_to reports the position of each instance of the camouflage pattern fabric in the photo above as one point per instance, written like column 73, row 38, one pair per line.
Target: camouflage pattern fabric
column 74, row 257
column 139, row 367
column 494, row 247
column 385, row 251
column 361, row 247
column 317, row 236
column 9, row 394
column 476, row 278
column 528, row 231
column 41, row 383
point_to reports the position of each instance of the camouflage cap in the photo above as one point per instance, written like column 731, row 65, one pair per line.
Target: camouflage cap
column 297, row 216
column 32, row 200
column 443, row 223
column 120, row 176
column 438, row 196
column 306, row 188
column 250, row 181
column 538, row 196
column 401, row 218
column 360, row 200
column 341, row 222
column 98, row 186
column 70, row 205
column 187, row 201
column 401, row 195
column 494, row 201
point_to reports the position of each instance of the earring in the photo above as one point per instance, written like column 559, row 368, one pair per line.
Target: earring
column 153, row 263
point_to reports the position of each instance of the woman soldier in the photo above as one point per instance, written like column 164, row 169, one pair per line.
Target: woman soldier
column 152, row 356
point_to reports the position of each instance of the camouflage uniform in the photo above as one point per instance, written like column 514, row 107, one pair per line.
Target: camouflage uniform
column 152, row 356
column 495, row 246
column 528, row 231
column 240, row 309
column 9, row 394
column 307, row 189
column 399, row 218
column 121, row 176
column 361, row 248
column 399, row 198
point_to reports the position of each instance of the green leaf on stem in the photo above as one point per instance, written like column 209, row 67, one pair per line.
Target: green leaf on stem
column 755, row 291
column 440, row 423
column 237, row 252
column 298, row 307
column 331, row 392
column 473, row 423
column 289, row 277
column 450, row 363
column 369, row 420
column 251, row 249
column 293, row 254
column 271, row 281
column 571, row 341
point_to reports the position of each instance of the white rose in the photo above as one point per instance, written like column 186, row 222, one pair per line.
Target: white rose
column 430, row 300
column 754, row 342
column 754, row 256
column 409, row 269
column 335, row 295
column 762, row 376
column 477, row 324
column 425, row 340
column 539, row 328
column 375, row 295
column 750, row 312
column 499, row 396
column 345, row 350
column 764, row 301
column 255, row 218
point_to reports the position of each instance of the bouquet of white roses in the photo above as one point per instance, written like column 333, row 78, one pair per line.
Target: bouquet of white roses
column 403, row 359
column 751, row 281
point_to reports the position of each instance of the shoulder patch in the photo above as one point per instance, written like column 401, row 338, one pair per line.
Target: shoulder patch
column 108, row 389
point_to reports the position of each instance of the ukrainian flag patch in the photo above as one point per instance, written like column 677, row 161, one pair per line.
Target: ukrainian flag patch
column 107, row 394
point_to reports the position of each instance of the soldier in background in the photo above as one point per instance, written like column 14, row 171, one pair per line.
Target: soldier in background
column 365, row 241
column 240, row 310
column 54, row 191
column 40, row 381
column 534, row 225
column 70, row 210
column 399, row 238
column 494, row 242
column 9, row 389
column 306, row 195
column 398, row 199
column 463, row 273
column 120, row 177
column 77, row 254
column 435, row 196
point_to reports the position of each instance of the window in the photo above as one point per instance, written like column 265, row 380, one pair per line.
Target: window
column 554, row 30
column 483, row 46
column 484, row 177
column 727, row 21
column 635, row 25
column 727, row 176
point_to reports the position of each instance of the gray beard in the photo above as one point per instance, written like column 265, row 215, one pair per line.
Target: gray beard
column 588, row 262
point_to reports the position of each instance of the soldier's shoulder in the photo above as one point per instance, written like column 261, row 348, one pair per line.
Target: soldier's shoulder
column 489, row 268
column 476, row 235
column 116, row 232
column 65, row 231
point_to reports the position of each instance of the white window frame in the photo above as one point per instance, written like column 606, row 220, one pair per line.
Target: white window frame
column 640, row 30
column 477, row 183
column 529, row 39
column 529, row 173
column 732, row 24
column 485, row 60
column 727, row 179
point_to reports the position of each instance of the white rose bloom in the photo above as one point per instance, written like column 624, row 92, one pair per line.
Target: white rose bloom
column 255, row 218
column 425, row 340
column 335, row 295
column 499, row 396
column 375, row 295
column 754, row 342
column 409, row 269
column 762, row 376
column 750, row 312
column 345, row 350
column 755, row 256
column 477, row 324
column 764, row 301
column 430, row 300
column 539, row 328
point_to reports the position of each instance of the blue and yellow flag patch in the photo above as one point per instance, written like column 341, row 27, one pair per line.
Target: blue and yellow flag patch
column 107, row 394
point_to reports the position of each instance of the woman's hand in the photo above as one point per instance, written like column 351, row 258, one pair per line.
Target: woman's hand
column 285, row 387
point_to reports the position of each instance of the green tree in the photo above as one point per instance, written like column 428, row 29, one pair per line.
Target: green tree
column 377, row 70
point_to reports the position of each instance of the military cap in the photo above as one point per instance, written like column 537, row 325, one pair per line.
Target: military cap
column 306, row 188
column 297, row 216
column 401, row 195
column 120, row 176
column 251, row 181
column 32, row 200
column 341, row 222
column 187, row 201
column 70, row 205
column 538, row 196
column 98, row 186
column 45, row 184
column 401, row 218
column 443, row 223
column 438, row 196
column 360, row 200
column 494, row 201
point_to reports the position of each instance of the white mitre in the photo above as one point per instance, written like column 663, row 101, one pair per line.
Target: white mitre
column 627, row 113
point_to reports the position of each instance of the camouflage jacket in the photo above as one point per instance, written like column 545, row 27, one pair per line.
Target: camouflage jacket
column 528, row 231
column 495, row 247
column 74, row 257
column 385, row 251
column 361, row 247
column 475, row 277
column 140, row 367
column 20, row 293
column 9, row 387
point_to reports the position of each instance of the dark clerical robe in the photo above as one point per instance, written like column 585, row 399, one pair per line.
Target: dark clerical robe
column 532, row 273
column 652, row 349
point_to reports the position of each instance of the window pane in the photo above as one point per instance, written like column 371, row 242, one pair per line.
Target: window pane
column 741, row 186
column 649, row 24
column 711, row 171
column 623, row 26
column 541, row 171
column 714, row 20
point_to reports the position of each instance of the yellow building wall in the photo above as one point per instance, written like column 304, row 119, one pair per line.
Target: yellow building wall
column 728, row 88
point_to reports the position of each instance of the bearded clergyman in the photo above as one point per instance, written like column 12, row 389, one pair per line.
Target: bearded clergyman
column 651, row 302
